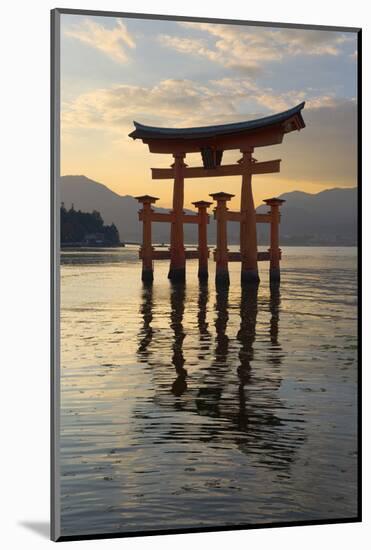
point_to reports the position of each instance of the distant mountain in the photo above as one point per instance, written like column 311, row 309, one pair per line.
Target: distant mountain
column 327, row 218
column 88, row 195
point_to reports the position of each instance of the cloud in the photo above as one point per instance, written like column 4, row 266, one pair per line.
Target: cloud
column 97, row 124
column 170, row 102
column 196, row 46
column 112, row 42
column 311, row 42
column 182, row 103
column 246, row 48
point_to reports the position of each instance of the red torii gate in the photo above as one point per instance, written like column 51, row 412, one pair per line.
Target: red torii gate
column 211, row 142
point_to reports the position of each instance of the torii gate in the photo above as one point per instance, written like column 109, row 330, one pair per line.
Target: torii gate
column 211, row 142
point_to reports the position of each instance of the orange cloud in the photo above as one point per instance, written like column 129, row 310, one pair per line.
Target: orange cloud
column 112, row 42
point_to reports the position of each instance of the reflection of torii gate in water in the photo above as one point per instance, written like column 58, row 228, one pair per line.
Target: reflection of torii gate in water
column 211, row 142
column 226, row 384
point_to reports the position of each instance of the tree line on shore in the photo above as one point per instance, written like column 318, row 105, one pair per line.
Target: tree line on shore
column 78, row 226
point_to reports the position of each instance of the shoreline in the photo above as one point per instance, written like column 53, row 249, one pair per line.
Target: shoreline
column 124, row 245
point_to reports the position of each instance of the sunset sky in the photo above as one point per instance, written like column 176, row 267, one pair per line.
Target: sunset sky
column 178, row 74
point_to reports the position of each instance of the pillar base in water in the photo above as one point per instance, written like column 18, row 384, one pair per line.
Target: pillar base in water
column 250, row 276
column 275, row 275
column 177, row 274
column 203, row 274
column 147, row 275
column 222, row 278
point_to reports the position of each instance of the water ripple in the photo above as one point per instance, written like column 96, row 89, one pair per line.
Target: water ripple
column 185, row 407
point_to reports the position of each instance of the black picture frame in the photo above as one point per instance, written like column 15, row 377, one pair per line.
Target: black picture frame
column 55, row 265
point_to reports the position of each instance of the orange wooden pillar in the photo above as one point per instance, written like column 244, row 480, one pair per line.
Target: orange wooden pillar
column 274, row 267
column 248, row 238
column 177, row 250
column 221, row 251
column 203, row 251
column 146, row 251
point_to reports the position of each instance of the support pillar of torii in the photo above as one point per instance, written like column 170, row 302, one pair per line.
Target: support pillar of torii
column 203, row 250
column 221, row 251
column 177, row 250
column 146, row 250
column 248, row 238
column 274, row 250
column 147, row 253
column 222, row 255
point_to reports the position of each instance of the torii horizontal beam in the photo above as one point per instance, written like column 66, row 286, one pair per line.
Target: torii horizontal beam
column 267, row 167
column 262, row 256
column 166, row 254
column 238, row 216
column 194, row 254
column 170, row 217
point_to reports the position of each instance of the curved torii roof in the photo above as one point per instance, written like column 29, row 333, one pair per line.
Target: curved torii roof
column 291, row 115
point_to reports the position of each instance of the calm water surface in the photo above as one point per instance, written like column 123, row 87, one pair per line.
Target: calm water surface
column 185, row 407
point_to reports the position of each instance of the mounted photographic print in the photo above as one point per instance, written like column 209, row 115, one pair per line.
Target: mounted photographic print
column 205, row 210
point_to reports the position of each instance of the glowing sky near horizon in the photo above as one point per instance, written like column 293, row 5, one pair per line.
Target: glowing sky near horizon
column 178, row 74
